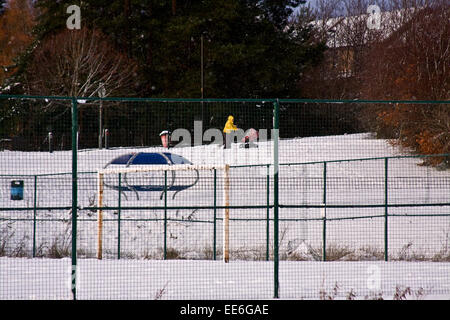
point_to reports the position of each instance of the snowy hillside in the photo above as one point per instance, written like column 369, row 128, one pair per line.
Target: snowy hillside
column 356, row 189
column 348, row 183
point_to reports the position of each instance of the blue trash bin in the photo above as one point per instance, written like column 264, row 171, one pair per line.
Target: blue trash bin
column 17, row 190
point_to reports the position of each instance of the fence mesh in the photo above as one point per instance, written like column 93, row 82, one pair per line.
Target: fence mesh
column 35, row 200
column 347, row 202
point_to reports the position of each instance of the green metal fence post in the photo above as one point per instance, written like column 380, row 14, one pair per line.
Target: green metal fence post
column 215, row 214
column 34, row 216
column 118, row 215
column 268, row 212
column 165, row 215
column 74, row 195
column 386, row 209
column 324, row 235
column 275, row 197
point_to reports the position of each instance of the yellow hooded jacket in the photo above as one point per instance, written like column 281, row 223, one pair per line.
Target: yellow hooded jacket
column 229, row 126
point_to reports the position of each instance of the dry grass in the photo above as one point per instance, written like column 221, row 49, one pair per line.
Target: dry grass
column 160, row 293
column 59, row 249
column 324, row 295
column 333, row 253
column 401, row 293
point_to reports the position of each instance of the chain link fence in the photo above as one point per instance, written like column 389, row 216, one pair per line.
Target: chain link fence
column 311, row 211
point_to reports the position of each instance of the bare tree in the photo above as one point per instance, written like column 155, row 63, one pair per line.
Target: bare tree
column 413, row 63
column 79, row 64
column 345, row 27
column 16, row 26
column 342, row 26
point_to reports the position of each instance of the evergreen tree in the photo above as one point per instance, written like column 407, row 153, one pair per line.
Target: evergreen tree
column 248, row 49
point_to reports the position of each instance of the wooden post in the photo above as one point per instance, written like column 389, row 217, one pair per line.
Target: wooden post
column 100, row 216
column 226, row 215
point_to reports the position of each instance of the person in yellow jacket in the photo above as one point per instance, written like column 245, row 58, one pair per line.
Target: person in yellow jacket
column 229, row 127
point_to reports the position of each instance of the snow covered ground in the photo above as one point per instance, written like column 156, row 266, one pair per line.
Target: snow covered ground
column 190, row 232
column 192, row 279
